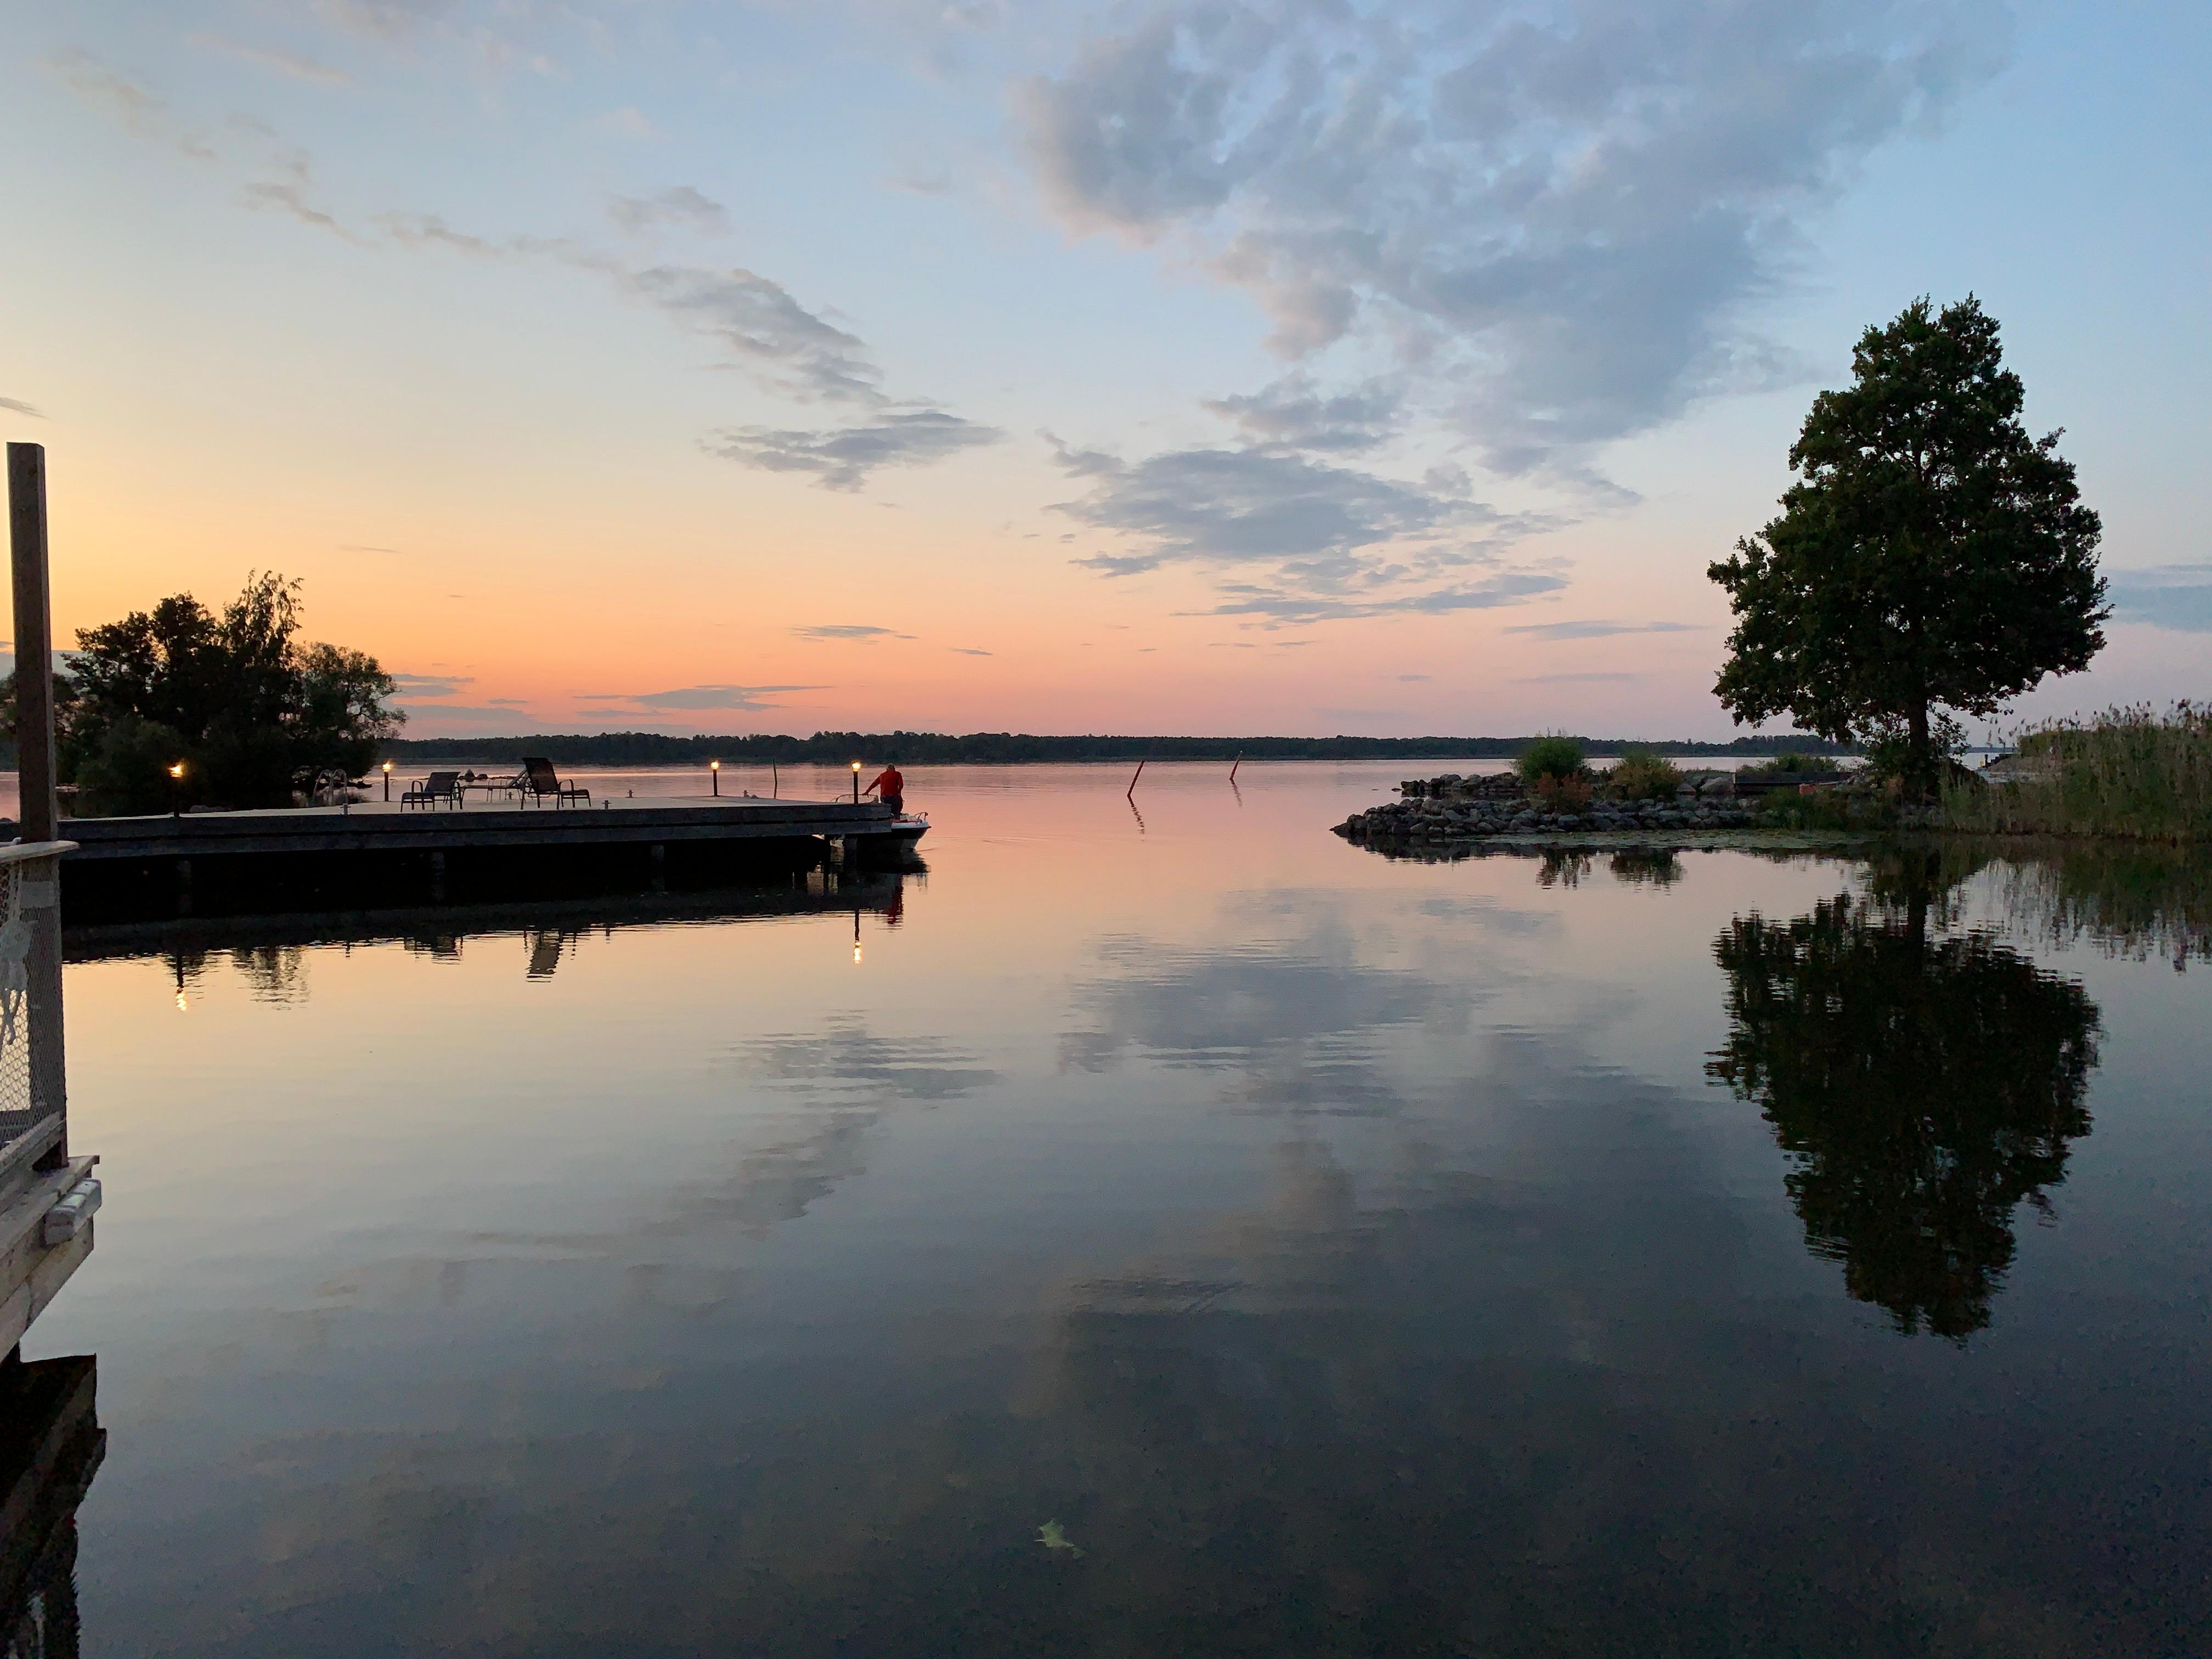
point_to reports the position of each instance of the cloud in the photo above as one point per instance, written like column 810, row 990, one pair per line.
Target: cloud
column 842, row 458
column 1599, row 630
column 2177, row 597
column 1555, row 217
column 695, row 696
column 764, row 329
column 363, row 547
column 1580, row 679
column 1286, row 605
column 627, row 122
column 969, row 651
column 284, row 62
column 679, row 204
column 1292, row 412
column 101, row 86
column 1342, row 542
column 16, row 406
column 849, row 631
column 290, row 196
column 1414, row 679
column 499, row 714
column 430, row 685
column 383, row 19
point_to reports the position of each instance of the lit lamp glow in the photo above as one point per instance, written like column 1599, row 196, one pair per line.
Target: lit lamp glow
column 387, row 781
column 856, row 783
column 715, row 766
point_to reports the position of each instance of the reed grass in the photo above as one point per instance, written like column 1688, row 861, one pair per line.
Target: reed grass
column 2131, row 773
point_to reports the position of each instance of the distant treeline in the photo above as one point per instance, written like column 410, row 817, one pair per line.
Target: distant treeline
column 1017, row 747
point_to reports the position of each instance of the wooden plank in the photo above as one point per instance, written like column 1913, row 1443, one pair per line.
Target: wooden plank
column 36, row 1293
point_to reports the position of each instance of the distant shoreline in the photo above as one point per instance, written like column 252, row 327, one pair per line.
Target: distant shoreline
column 1020, row 748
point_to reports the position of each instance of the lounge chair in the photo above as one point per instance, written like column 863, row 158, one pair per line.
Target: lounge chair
column 538, row 781
column 438, row 787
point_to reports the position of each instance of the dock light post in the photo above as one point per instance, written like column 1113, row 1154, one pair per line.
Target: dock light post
column 176, row 783
column 715, row 769
column 387, row 783
column 856, row 783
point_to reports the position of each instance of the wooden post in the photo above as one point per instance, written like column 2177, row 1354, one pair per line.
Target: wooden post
column 34, row 653
column 1133, row 781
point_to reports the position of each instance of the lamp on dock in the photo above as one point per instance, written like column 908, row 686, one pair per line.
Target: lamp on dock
column 176, row 780
column 387, row 782
column 715, row 768
column 856, row 783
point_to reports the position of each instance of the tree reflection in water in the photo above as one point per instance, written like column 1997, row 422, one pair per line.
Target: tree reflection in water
column 1923, row 1085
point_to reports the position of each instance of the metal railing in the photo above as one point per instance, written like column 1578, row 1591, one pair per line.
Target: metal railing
column 34, row 1096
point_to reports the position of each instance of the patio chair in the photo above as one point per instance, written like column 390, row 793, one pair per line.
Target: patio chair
column 438, row 787
column 538, row 781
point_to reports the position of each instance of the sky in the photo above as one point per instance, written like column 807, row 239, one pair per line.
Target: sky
column 1176, row 366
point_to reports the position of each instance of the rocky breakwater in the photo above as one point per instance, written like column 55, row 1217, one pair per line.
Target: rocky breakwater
column 1455, row 809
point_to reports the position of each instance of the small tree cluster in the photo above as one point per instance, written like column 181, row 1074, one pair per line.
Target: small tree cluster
column 253, row 716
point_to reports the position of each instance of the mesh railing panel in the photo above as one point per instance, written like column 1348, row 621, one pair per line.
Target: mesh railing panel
column 20, row 1109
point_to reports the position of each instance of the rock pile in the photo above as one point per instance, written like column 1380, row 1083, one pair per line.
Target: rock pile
column 1498, row 806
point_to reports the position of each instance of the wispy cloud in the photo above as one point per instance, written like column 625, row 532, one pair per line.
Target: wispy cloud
column 741, row 697
column 17, row 406
column 1337, row 542
column 849, row 631
column 414, row 686
column 1591, row 678
column 626, row 122
column 680, row 204
column 844, row 457
column 1599, row 630
column 269, row 58
column 2177, row 597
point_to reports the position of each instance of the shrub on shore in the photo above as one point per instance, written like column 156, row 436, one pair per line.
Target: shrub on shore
column 1792, row 765
column 1570, row 793
column 2127, row 772
column 1643, row 776
column 1554, row 755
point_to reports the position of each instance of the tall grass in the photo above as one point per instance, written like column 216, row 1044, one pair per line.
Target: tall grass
column 2128, row 772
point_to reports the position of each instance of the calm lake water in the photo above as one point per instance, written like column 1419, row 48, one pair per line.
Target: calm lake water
column 1184, row 1234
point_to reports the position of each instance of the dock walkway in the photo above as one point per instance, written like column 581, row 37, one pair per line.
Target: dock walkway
column 377, row 827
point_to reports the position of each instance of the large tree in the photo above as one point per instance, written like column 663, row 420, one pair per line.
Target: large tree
column 255, row 716
column 1932, row 557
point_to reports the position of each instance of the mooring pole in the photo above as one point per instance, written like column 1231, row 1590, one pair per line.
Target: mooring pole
column 34, row 650
column 38, row 896
column 1233, row 765
column 1132, row 782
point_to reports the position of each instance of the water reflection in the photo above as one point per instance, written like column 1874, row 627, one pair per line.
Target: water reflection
column 1924, row 1084
column 50, row 1447
column 271, row 954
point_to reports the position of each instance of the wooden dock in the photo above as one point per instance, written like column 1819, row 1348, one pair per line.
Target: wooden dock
column 374, row 855
column 374, row 827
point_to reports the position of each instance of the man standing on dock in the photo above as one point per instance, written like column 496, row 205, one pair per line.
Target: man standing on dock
column 890, row 785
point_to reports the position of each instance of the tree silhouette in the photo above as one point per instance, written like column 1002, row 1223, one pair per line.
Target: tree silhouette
column 1932, row 556
column 1921, row 1087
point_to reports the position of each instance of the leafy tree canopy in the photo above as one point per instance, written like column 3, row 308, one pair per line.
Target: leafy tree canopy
column 1932, row 557
column 254, row 716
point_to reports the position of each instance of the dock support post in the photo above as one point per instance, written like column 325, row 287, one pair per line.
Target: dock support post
column 438, row 876
column 34, row 653
column 184, row 872
column 659, row 868
column 35, row 818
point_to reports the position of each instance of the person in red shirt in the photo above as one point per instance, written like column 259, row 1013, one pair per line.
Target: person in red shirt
column 891, row 786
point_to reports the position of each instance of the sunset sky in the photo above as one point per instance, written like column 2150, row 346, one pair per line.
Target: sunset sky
column 1202, row 368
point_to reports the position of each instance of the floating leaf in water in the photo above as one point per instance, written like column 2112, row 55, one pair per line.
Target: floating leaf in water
column 1053, row 1537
